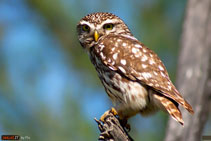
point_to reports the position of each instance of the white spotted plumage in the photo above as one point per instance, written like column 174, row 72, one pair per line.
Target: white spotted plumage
column 144, row 58
column 115, row 56
column 123, row 62
column 134, row 77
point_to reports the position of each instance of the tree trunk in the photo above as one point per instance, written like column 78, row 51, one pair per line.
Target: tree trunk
column 194, row 72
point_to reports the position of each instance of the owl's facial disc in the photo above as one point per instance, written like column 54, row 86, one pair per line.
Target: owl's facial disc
column 86, row 32
column 90, row 33
column 94, row 27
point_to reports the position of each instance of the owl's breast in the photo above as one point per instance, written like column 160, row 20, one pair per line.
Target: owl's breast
column 128, row 97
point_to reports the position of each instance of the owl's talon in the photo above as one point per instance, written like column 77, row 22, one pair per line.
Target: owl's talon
column 102, row 118
column 112, row 110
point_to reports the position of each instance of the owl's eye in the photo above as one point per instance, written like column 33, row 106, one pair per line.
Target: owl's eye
column 108, row 26
column 85, row 28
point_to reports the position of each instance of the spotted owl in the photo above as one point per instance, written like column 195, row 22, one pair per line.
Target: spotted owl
column 134, row 77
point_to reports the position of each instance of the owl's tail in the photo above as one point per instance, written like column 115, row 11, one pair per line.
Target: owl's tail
column 171, row 108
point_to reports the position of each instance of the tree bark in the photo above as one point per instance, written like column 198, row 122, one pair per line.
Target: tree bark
column 112, row 130
column 194, row 72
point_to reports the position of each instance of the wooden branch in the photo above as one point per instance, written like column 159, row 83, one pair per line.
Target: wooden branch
column 112, row 130
column 194, row 72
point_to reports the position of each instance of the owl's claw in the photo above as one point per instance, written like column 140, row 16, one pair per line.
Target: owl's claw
column 123, row 122
column 112, row 110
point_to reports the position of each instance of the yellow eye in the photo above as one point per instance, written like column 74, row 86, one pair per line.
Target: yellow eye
column 108, row 26
column 85, row 27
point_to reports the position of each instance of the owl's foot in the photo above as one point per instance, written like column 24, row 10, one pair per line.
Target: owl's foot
column 112, row 110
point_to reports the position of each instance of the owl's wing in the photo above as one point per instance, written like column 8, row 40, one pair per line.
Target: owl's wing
column 133, row 60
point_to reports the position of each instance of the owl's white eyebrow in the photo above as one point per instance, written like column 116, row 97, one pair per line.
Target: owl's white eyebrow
column 87, row 23
column 84, row 22
column 109, row 21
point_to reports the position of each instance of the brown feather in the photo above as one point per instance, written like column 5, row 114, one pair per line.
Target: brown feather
column 135, row 71
column 180, row 100
column 171, row 108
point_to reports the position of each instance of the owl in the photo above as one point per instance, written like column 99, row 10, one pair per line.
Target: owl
column 133, row 76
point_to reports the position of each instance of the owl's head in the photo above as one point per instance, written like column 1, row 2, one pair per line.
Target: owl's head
column 95, row 26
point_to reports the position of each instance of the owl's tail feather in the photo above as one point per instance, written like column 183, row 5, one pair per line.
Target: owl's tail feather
column 186, row 105
column 171, row 108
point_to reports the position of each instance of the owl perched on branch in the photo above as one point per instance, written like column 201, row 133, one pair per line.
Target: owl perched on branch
column 134, row 77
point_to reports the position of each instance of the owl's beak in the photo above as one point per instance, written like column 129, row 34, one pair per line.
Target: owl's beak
column 96, row 36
